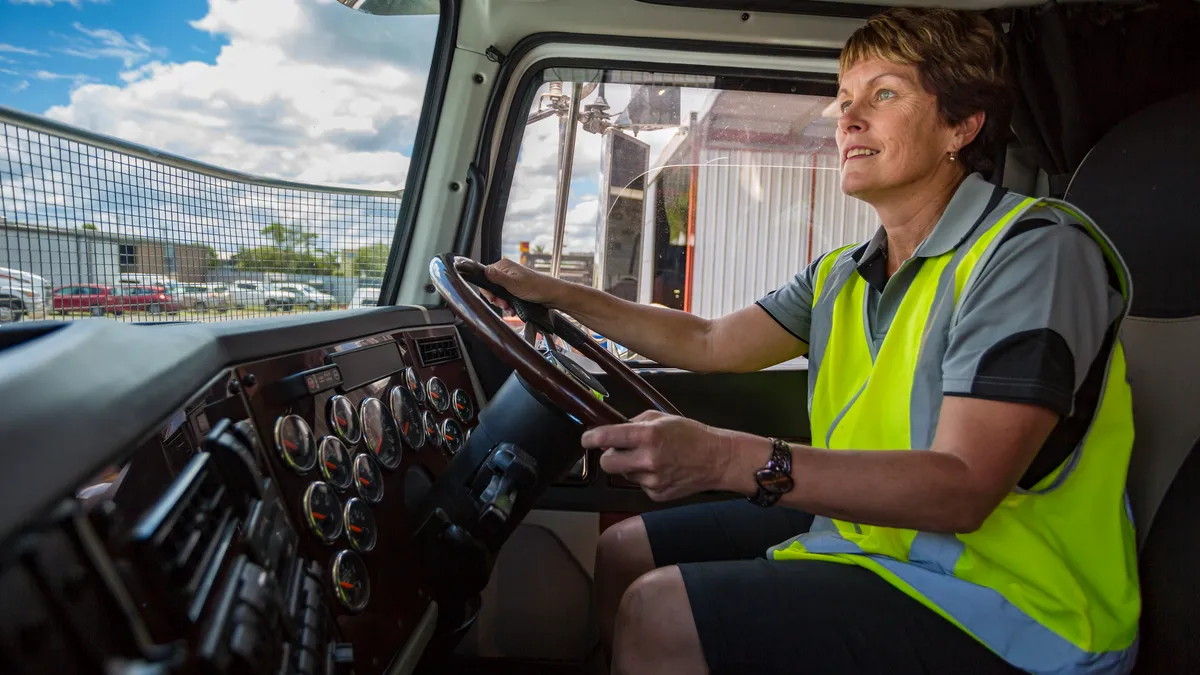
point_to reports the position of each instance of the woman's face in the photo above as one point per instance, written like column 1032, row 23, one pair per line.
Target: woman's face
column 890, row 137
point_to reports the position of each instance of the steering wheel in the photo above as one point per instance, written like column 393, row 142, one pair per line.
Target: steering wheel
column 563, row 382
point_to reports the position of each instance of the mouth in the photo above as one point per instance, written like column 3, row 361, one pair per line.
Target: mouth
column 858, row 152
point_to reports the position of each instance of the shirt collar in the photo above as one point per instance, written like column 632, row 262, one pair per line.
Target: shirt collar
column 959, row 218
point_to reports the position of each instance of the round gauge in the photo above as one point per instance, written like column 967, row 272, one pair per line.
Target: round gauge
column 433, row 430
column 360, row 524
column 323, row 511
column 351, row 583
column 452, row 434
column 334, row 462
column 294, row 441
column 368, row 479
column 380, row 433
column 414, row 384
column 439, row 396
column 463, row 408
column 344, row 420
column 407, row 416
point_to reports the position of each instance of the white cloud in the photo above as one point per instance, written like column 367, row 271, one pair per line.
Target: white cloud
column 105, row 43
column 20, row 86
column 14, row 49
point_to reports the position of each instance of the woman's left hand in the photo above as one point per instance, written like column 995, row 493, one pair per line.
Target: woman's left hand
column 669, row 457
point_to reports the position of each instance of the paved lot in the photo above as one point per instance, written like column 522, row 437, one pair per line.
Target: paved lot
column 184, row 315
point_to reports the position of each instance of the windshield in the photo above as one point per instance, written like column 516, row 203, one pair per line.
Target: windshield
column 258, row 147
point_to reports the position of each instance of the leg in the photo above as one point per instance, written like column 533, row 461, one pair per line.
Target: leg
column 655, row 629
column 760, row 616
column 728, row 530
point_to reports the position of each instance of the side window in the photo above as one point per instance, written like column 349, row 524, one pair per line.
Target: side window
column 681, row 193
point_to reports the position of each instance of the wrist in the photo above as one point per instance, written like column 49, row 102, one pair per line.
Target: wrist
column 747, row 454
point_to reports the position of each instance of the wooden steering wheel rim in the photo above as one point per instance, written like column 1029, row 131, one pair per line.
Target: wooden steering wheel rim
column 562, row 389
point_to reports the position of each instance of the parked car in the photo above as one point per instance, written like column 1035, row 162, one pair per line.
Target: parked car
column 22, row 295
column 149, row 299
column 366, row 296
column 262, row 294
column 200, row 297
column 94, row 299
column 309, row 297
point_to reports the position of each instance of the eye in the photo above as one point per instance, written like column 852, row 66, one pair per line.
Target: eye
column 885, row 94
column 844, row 105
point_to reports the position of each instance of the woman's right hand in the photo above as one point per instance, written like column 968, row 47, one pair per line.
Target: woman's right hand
column 524, row 283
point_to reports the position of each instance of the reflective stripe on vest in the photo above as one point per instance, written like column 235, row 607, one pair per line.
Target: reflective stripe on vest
column 1048, row 581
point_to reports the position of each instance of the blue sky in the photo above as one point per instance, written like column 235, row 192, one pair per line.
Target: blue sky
column 46, row 49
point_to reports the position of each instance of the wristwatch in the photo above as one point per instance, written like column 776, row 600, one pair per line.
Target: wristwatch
column 775, row 479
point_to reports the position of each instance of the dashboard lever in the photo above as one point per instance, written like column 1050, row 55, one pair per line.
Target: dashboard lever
column 507, row 471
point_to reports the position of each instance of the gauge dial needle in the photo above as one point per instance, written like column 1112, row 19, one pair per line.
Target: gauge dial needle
column 434, row 396
column 340, row 420
column 331, row 465
column 346, row 584
column 289, row 445
column 355, row 529
column 318, row 516
column 460, row 406
column 364, row 481
column 448, row 437
column 405, row 429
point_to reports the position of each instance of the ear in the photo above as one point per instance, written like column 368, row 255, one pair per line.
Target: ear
column 968, row 129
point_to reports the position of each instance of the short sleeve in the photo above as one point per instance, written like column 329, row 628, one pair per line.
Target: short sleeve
column 791, row 304
column 1036, row 318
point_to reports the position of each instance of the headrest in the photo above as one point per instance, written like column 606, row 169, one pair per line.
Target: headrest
column 1141, row 184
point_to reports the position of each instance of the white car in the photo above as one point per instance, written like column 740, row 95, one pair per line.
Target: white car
column 22, row 295
column 366, row 296
column 309, row 297
column 262, row 294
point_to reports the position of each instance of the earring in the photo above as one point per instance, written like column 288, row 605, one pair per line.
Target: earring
column 953, row 155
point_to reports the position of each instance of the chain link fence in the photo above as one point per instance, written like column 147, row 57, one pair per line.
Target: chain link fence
column 93, row 226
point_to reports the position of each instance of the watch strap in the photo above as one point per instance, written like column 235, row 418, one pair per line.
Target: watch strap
column 775, row 479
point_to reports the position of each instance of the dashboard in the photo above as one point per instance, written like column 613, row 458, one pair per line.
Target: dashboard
column 267, row 523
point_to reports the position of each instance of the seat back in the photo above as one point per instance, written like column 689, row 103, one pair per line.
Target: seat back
column 1141, row 183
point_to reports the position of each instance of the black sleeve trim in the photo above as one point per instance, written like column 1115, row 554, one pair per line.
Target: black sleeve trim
column 1034, row 365
column 1015, row 392
column 776, row 320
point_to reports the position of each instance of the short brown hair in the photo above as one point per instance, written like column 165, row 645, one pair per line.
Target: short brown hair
column 960, row 58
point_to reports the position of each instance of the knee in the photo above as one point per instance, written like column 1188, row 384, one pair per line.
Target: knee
column 624, row 550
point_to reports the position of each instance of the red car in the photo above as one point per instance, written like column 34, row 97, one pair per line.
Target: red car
column 151, row 299
column 92, row 298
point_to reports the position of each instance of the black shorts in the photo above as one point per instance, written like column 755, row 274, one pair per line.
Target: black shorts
column 756, row 615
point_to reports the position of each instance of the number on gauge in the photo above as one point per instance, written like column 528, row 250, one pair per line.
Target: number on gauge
column 334, row 462
column 407, row 416
column 294, row 441
column 433, row 430
column 367, row 479
column 360, row 524
column 414, row 384
column 380, row 433
column 343, row 419
column 323, row 511
column 351, row 583
column 452, row 434
column 439, row 396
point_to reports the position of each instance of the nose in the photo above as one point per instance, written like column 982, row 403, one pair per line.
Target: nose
column 852, row 119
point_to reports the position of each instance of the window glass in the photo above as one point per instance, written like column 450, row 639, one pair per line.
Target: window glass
column 682, row 193
column 314, row 102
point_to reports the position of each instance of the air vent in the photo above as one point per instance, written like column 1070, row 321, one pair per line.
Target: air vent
column 437, row 350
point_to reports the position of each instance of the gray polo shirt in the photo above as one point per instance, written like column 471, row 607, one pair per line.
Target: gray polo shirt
column 1032, row 327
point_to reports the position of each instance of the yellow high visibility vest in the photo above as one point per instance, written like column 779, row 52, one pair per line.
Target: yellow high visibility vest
column 1049, row 581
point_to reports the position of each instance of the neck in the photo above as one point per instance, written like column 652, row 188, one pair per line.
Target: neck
column 910, row 213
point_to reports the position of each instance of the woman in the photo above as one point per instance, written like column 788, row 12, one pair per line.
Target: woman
column 976, row 329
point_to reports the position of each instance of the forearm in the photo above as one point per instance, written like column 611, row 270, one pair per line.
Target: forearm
column 667, row 336
column 920, row 490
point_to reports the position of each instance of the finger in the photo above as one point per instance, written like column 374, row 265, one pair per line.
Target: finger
column 625, row 463
column 649, row 416
column 613, row 436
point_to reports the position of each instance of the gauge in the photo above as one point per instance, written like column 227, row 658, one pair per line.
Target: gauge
column 452, row 434
column 360, row 524
column 463, row 408
column 439, row 396
column 323, row 511
column 380, row 433
column 294, row 441
column 351, row 583
column 432, row 430
column 368, row 479
column 414, row 384
column 407, row 416
column 334, row 462
column 344, row 420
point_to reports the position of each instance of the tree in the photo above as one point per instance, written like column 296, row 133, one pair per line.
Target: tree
column 89, row 226
column 539, row 249
column 290, row 252
column 289, row 237
column 370, row 261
